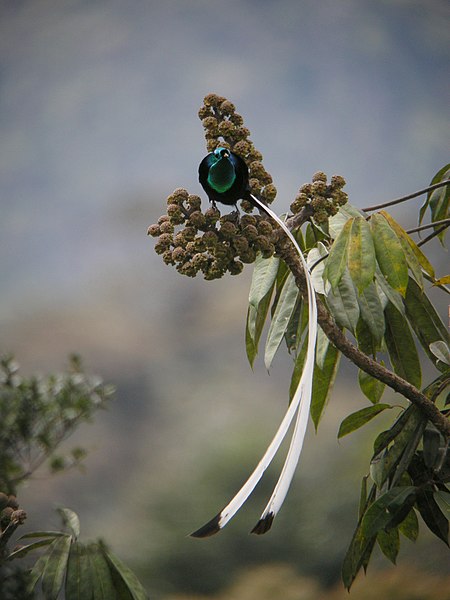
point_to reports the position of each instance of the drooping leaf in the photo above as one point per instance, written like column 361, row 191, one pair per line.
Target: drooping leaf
column 360, row 418
column 401, row 347
column 261, row 289
column 127, row 576
column 55, row 569
column 71, row 521
column 343, row 303
column 372, row 312
column 388, row 294
column 37, row 571
column 361, row 254
column 439, row 201
column 409, row 527
column 389, row 542
column 370, row 386
column 390, row 254
column 432, row 515
column 102, row 585
column 78, row 581
column 297, row 325
column 337, row 222
column 441, row 351
column 23, row 550
column 441, row 175
column 442, row 499
column 314, row 256
column 280, row 319
column 384, row 509
column 336, row 262
column 323, row 381
column 418, row 258
column 424, row 319
column 442, row 280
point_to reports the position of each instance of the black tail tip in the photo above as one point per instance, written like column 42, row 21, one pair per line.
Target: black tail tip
column 208, row 529
column 263, row 525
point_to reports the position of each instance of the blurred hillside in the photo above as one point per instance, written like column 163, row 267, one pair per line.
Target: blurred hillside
column 98, row 125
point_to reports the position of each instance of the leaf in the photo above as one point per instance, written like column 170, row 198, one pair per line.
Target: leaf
column 343, row 303
column 441, row 351
column 442, row 499
column 323, row 380
column 337, row 222
column 41, row 534
column 372, row 312
column 280, row 319
column 390, row 254
column 78, row 581
column 361, row 254
column 36, row 572
column 71, row 521
column 389, row 542
column 261, row 289
column 441, row 175
column 381, row 512
column 370, row 386
column 409, row 527
column 424, row 319
column 401, row 347
column 102, row 584
column 360, row 418
column 432, row 515
column 415, row 258
column 336, row 262
column 55, row 570
column 23, row 550
column 130, row 580
column 387, row 294
column 442, row 280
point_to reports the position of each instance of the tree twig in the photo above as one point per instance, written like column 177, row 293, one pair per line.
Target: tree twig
column 445, row 222
column 408, row 197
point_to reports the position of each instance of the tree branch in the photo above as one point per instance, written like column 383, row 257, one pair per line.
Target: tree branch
column 408, row 197
column 361, row 360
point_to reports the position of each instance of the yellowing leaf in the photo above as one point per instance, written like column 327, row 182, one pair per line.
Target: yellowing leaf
column 390, row 254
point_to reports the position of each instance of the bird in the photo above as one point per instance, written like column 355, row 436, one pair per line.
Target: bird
column 224, row 177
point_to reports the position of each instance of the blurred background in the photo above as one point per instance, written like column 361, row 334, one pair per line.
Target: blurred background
column 98, row 124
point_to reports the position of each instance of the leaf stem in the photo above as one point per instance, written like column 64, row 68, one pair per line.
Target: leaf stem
column 408, row 197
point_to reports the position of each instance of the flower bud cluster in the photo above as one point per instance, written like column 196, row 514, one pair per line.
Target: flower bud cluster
column 10, row 512
column 224, row 127
column 324, row 198
column 209, row 242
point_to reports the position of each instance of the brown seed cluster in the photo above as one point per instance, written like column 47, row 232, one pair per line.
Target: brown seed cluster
column 225, row 127
column 10, row 512
column 324, row 198
column 207, row 242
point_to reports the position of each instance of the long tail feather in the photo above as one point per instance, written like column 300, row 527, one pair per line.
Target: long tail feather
column 300, row 402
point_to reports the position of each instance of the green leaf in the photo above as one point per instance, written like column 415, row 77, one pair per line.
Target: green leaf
column 370, row 386
column 336, row 262
column 387, row 294
column 55, row 570
column 389, row 542
column 71, row 521
column 390, row 254
column 431, row 443
column 36, row 572
column 343, row 303
column 127, row 576
column 357, row 556
column 380, row 513
column 23, row 550
column 441, row 351
column 442, row 499
column 424, row 319
column 361, row 254
column 323, row 380
column 360, row 418
column 78, row 581
column 337, row 222
column 432, row 515
column 314, row 255
column 102, row 584
column 280, row 319
column 401, row 347
column 409, row 527
column 43, row 534
column 439, row 206
column 441, row 175
column 372, row 312
column 261, row 289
